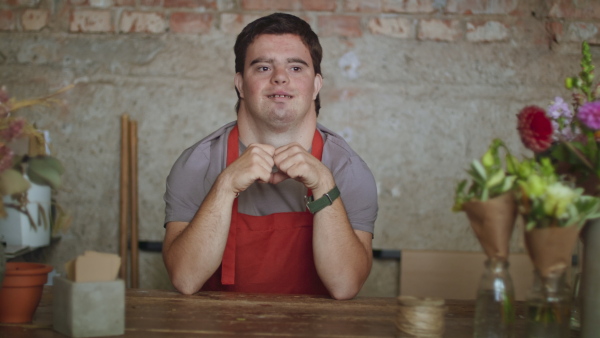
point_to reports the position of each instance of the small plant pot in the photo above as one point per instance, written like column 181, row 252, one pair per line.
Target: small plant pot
column 22, row 290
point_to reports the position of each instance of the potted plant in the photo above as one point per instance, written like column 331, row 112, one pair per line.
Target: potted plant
column 491, row 209
column 29, row 175
column 554, row 210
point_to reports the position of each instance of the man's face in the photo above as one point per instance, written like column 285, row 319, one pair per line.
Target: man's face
column 279, row 85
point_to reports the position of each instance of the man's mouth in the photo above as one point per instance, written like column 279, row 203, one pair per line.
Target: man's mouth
column 279, row 96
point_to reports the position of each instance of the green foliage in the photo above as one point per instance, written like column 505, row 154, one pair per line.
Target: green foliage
column 546, row 200
column 584, row 81
column 489, row 179
column 45, row 170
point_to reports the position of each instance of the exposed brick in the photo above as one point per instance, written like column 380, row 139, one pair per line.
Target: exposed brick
column 481, row 6
column 91, row 21
column 7, row 21
column 395, row 27
column 207, row 4
column 142, row 22
column 319, row 5
column 125, row 3
column 151, row 3
column 408, row 6
column 190, row 23
column 580, row 31
column 266, row 5
column 34, row 19
column 362, row 5
column 234, row 23
column 439, row 30
column 101, row 3
column 22, row 3
column 486, row 31
column 344, row 25
column 575, row 9
column 555, row 30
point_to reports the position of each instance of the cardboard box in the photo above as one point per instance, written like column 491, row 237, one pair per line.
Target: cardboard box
column 88, row 309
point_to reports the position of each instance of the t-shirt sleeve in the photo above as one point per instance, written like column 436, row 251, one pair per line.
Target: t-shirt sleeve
column 359, row 193
column 185, row 188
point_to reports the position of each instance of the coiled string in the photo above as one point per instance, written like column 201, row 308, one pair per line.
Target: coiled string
column 421, row 317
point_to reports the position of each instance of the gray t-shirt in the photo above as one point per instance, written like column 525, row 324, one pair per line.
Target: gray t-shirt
column 196, row 170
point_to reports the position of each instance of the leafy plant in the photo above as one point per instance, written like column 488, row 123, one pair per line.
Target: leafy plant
column 545, row 199
column 18, row 170
column 488, row 177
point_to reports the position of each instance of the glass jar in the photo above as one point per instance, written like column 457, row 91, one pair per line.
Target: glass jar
column 549, row 307
column 495, row 303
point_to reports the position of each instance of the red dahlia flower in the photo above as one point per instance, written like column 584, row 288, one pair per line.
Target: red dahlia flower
column 535, row 128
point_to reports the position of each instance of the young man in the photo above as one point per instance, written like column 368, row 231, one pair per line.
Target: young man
column 237, row 218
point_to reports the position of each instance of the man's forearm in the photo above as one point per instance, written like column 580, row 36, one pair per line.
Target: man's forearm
column 343, row 260
column 194, row 253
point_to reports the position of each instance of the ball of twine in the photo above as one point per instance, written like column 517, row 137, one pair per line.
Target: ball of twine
column 421, row 317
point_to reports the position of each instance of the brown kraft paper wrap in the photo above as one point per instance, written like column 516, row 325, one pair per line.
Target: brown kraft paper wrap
column 493, row 222
column 550, row 249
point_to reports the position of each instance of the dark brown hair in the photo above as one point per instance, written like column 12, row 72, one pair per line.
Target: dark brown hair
column 278, row 24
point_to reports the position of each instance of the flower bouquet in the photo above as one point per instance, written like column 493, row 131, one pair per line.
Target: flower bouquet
column 554, row 211
column 569, row 136
column 491, row 209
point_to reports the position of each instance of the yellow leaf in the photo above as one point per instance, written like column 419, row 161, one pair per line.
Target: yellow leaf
column 12, row 182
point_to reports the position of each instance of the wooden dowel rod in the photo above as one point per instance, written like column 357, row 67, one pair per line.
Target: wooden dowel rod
column 124, row 196
column 133, row 150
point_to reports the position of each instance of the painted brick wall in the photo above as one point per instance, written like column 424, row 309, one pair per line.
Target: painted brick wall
column 417, row 87
column 437, row 20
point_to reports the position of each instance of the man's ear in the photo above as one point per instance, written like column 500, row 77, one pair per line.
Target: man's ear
column 238, row 80
column 318, row 85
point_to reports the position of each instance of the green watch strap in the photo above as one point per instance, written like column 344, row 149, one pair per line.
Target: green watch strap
column 325, row 200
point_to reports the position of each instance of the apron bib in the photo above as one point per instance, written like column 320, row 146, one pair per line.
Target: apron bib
column 268, row 254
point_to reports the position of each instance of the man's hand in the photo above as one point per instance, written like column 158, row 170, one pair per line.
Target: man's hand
column 293, row 161
column 255, row 164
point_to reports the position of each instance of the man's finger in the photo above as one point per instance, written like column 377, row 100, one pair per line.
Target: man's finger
column 278, row 177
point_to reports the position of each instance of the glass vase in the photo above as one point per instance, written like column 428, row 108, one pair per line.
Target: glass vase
column 549, row 307
column 576, row 303
column 495, row 304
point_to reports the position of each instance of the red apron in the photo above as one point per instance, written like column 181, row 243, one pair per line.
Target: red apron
column 268, row 254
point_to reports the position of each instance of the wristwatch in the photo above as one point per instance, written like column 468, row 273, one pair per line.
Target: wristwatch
column 324, row 201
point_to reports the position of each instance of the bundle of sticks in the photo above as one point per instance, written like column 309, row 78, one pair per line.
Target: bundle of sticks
column 128, row 221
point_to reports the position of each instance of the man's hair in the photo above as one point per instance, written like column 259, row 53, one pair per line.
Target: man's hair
column 278, row 24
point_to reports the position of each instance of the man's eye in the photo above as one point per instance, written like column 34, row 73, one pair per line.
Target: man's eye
column 296, row 69
column 263, row 69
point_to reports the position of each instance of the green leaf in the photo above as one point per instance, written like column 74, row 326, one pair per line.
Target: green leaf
column 508, row 183
column 479, row 169
column 45, row 170
column 495, row 179
column 12, row 182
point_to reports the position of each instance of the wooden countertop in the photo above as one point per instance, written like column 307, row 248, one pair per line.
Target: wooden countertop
column 160, row 313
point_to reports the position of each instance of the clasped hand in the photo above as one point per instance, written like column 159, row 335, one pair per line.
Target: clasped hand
column 292, row 161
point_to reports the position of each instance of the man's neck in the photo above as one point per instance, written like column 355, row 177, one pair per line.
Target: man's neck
column 252, row 131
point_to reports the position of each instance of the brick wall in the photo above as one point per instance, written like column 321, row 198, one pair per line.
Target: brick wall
column 438, row 20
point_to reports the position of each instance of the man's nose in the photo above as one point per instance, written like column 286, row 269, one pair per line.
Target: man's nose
column 280, row 76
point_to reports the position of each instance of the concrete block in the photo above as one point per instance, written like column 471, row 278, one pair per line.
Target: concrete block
column 88, row 309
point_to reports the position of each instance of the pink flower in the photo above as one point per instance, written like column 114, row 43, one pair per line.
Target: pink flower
column 535, row 128
column 14, row 130
column 589, row 115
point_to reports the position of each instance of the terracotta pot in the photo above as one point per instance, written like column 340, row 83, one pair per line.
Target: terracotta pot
column 22, row 290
